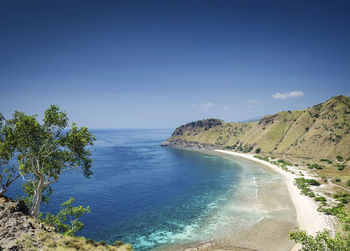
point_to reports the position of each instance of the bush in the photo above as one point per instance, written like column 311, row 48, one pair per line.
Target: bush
column 117, row 243
column 322, row 241
column 320, row 198
column 312, row 182
column 340, row 167
column 339, row 158
column 348, row 183
column 258, row 150
column 337, row 180
column 67, row 220
column 102, row 243
column 316, row 166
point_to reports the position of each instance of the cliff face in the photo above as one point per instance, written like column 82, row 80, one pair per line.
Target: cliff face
column 319, row 131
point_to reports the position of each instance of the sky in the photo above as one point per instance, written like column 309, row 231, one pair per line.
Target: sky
column 160, row 64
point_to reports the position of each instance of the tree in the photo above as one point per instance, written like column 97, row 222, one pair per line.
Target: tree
column 47, row 150
column 8, row 171
column 322, row 241
column 66, row 221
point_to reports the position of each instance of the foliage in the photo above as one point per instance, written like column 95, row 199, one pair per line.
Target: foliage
column 303, row 184
column 8, row 171
column 47, row 150
column 67, row 220
column 341, row 167
column 339, row 158
column 320, row 198
column 322, row 241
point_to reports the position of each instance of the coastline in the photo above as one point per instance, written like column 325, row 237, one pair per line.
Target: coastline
column 265, row 195
column 308, row 218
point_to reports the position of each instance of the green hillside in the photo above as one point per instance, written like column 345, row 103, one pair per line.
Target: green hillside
column 319, row 132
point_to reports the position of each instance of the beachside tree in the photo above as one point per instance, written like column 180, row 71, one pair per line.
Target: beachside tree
column 46, row 150
column 8, row 171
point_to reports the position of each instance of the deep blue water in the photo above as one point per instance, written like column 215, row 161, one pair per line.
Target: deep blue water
column 145, row 194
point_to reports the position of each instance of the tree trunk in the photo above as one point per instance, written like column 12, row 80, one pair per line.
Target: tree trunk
column 2, row 190
column 37, row 200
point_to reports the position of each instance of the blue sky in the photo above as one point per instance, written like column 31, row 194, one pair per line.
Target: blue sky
column 159, row 64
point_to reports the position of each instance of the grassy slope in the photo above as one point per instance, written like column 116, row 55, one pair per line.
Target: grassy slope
column 321, row 131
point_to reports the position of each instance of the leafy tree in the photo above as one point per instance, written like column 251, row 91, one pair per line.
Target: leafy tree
column 8, row 171
column 322, row 241
column 47, row 150
column 67, row 220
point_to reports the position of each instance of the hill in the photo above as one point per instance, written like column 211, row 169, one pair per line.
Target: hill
column 321, row 131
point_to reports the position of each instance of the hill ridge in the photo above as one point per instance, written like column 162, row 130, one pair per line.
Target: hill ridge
column 322, row 130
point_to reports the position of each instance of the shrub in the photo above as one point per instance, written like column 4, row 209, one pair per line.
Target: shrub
column 339, row 158
column 312, row 182
column 67, row 220
column 348, row 183
column 102, row 243
column 337, row 180
column 117, row 243
column 320, row 198
column 257, row 150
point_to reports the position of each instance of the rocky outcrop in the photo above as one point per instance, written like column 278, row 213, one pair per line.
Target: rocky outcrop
column 204, row 124
column 19, row 231
column 15, row 221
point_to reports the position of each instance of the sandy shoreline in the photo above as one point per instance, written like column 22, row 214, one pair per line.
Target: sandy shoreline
column 285, row 207
column 309, row 219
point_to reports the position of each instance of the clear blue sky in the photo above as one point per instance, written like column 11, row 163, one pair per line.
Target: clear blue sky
column 159, row 64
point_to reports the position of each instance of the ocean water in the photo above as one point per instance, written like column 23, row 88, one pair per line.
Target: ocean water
column 149, row 196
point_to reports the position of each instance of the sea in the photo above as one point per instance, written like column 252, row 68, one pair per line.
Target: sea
column 152, row 196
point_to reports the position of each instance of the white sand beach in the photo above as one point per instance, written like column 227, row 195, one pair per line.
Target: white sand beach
column 309, row 219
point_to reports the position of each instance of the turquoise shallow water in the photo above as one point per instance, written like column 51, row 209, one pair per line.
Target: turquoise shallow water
column 148, row 195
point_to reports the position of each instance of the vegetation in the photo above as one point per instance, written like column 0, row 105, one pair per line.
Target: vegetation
column 41, row 152
column 327, row 134
column 303, row 184
column 67, row 220
column 45, row 151
column 339, row 158
column 53, row 241
column 8, row 172
column 316, row 166
column 322, row 241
